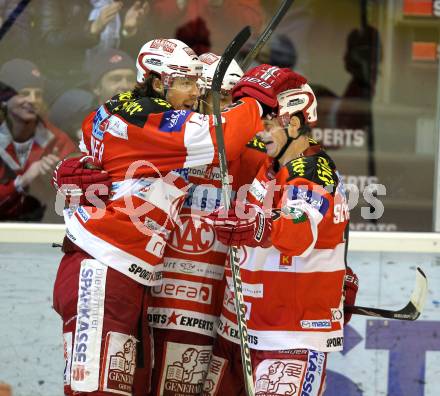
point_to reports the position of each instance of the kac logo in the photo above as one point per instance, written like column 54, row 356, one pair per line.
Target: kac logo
column 195, row 236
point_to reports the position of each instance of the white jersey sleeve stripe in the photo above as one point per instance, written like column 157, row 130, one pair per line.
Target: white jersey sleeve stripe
column 198, row 141
column 320, row 260
column 82, row 146
column 132, row 266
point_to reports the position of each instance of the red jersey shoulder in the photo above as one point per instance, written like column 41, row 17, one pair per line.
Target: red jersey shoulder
column 134, row 109
column 319, row 169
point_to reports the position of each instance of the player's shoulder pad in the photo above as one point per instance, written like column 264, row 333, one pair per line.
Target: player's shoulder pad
column 136, row 110
column 319, row 169
column 257, row 144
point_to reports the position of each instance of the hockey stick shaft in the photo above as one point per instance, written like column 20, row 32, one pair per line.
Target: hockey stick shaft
column 227, row 57
column 20, row 7
column 264, row 37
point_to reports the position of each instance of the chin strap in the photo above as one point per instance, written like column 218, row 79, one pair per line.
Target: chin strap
column 301, row 131
column 286, row 146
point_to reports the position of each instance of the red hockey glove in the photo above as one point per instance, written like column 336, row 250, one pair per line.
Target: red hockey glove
column 243, row 225
column 265, row 82
column 351, row 285
column 74, row 176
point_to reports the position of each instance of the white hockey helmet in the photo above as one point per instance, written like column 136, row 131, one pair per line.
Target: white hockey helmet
column 210, row 62
column 168, row 58
column 299, row 100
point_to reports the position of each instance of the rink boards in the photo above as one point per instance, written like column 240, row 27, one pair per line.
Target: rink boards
column 380, row 357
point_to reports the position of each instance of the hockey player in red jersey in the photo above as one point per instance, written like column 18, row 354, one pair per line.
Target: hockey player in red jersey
column 184, row 310
column 114, row 250
column 292, row 263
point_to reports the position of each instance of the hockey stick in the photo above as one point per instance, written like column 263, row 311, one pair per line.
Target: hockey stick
column 410, row 312
column 225, row 60
column 4, row 28
column 264, row 37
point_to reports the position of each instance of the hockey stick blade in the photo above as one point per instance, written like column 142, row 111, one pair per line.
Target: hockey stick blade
column 264, row 37
column 225, row 60
column 410, row 312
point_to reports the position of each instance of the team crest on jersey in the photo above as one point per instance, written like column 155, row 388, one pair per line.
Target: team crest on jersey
column 279, row 377
column 195, row 236
column 173, row 120
column 120, row 363
column 184, row 369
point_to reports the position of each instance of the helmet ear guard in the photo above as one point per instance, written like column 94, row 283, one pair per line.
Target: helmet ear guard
column 298, row 100
column 305, row 125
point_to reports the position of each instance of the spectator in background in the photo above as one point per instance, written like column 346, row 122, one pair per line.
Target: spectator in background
column 69, row 111
column 29, row 149
column 25, row 77
column 279, row 51
column 70, row 30
column 107, row 21
column 282, row 52
column 361, row 60
column 65, row 36
column 224, row 18
column 110, row 71
column 195, row 33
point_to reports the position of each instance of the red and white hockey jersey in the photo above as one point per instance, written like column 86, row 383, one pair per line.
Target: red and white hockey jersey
column 139, row 141
column 293, row 289
column 190, row 297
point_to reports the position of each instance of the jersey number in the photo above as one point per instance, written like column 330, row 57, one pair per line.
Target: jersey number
column 341, row 213
column 97, row 148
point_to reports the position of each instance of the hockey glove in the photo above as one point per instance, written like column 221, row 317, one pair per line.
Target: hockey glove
column 265, row 82
column 242, row 225
column 73, row 177
column 351, row 285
